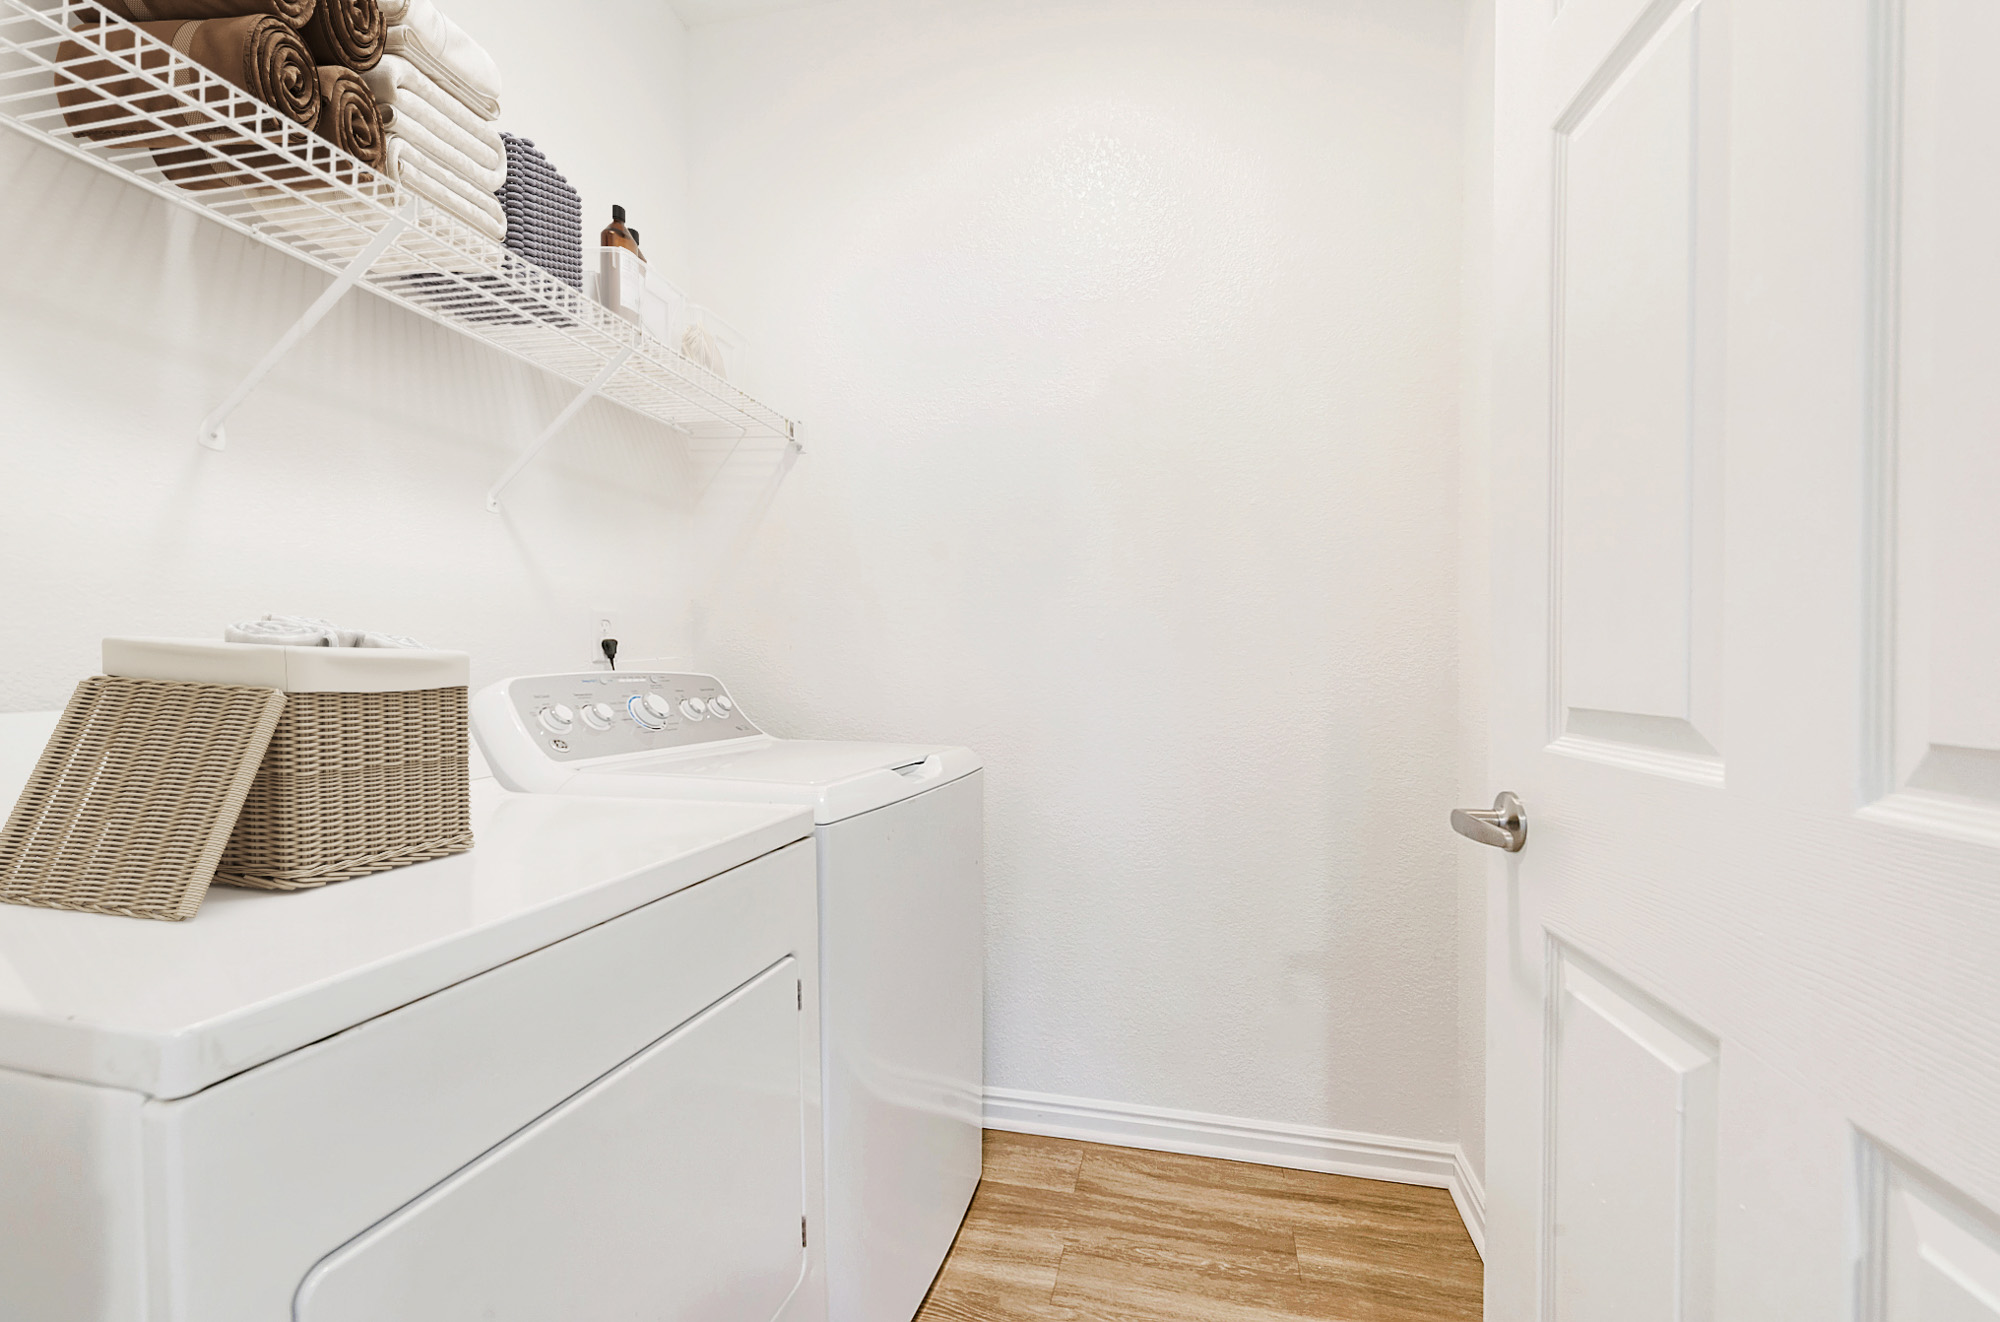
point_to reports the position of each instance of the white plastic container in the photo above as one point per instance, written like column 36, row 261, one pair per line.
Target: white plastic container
column 621, row 283
column 664, row 309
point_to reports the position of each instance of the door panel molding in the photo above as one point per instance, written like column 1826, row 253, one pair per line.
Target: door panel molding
column 1929, row 1253
column 1630, row 1117
column 1884, row 244
column 1931, row 724
column 1635, row 316
column 1658, row 745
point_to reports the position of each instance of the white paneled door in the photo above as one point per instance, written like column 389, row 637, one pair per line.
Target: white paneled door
column 1744, row 978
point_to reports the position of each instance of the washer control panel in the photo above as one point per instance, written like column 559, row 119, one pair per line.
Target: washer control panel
column 606, row 712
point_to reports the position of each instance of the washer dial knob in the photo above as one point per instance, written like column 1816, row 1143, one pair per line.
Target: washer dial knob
column 597, row 715
column 692, row 708
column 556, row 718
column 719, row 707
column 662, row 708
column 643, row 715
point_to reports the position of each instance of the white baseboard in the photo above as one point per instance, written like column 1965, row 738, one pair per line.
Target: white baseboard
column 1336, row 1151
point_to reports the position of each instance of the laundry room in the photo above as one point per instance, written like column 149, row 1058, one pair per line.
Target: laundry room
column 844, row 660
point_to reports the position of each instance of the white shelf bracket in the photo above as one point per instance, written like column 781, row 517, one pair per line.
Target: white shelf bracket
column 556, row 424
column 211, row 433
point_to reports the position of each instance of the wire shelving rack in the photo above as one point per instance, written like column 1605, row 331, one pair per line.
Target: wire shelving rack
column 157, row 119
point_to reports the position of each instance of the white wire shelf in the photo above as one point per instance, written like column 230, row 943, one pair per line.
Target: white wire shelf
column 153, row 117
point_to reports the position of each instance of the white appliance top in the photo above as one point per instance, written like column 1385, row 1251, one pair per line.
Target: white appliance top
column 836, row 780
column 170, row 1008
column 595, row 733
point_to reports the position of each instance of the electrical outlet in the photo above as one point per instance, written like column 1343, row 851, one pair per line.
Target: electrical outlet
column 605, row 626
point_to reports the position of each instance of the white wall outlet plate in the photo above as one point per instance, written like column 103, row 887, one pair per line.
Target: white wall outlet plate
column 603, row 624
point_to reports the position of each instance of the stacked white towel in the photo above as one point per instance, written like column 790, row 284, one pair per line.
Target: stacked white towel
column 308, row 631
column 441, row 48
column 441, row 92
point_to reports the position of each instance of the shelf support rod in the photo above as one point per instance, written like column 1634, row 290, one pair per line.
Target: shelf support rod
column 751, row 520
column 561, row 420
column 211, row 433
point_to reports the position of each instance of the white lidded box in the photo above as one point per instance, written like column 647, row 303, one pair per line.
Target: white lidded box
column 369, row 768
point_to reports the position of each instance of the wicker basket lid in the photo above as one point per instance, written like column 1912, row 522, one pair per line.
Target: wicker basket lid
column 288, row 669
column 131, row 804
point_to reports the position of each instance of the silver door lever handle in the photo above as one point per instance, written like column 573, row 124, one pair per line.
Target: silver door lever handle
column 1505, row 827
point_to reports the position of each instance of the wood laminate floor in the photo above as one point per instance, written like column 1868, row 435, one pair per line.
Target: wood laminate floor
column 1075, row 1232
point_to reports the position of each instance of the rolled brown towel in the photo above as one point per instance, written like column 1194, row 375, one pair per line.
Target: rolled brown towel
column 349, row 117
column 347, row 32
column 258, row 53
column 295, row 12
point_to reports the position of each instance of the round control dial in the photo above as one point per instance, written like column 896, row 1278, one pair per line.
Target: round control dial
column 556, row 718
column 720, row 707
column 597, row 715
column 693, row 709
column 643, row 713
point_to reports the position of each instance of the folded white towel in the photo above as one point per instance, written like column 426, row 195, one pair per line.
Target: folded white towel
column 307, row 631
column 438, row 182
column 441, row 48
column 485, row 178
column 428, row 115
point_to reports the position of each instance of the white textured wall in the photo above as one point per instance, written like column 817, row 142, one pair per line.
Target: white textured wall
column 1128, row 339
column 353, row 483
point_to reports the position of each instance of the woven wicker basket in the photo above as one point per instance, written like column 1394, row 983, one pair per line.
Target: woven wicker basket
column 354, row 782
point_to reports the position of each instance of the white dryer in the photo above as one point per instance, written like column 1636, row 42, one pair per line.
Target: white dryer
column 902, row 967
column 570, row 1074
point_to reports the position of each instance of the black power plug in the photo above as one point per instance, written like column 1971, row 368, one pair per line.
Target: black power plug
column 610, row 648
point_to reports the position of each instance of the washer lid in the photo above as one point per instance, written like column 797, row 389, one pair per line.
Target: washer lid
column 170, row 1008
column 837, row 780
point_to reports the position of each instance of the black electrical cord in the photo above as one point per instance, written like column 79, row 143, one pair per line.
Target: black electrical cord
column 610, row 649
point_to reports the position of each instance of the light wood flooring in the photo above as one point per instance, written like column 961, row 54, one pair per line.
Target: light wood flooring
column 1075, row 1232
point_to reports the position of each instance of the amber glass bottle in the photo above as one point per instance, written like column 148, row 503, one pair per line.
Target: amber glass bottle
column 615, row 234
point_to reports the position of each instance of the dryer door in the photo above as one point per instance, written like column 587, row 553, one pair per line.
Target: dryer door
column 669, row 1188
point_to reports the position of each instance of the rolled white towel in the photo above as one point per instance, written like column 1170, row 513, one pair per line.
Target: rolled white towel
column 284, row 631
column 698, row 346
column 309, row 631
column 442, row 49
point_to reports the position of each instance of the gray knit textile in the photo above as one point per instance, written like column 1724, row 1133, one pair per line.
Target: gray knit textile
column 544, row 214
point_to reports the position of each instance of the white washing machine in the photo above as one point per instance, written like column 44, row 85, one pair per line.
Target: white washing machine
column 570, row 1074
column 902, row 966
